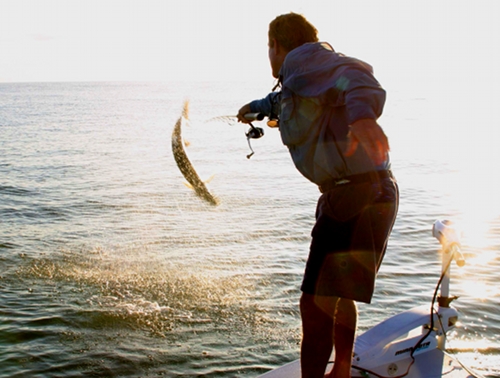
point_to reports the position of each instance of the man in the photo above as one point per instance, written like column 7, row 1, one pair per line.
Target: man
column 327, row 107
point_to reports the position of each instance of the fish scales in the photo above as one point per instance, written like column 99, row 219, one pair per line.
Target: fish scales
column 185, row 165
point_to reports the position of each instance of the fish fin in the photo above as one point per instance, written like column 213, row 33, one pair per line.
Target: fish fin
column 209, row 179
column 188, row 185
column 185, row 109
column 186, row 143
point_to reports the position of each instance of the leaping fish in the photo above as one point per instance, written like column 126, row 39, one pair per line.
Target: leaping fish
column 183, row 162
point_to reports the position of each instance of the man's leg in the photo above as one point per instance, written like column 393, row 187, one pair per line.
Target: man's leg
column 346, row 317
column 327, row 321
column 317, row 335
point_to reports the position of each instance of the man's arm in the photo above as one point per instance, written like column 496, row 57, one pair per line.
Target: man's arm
column 370, row 135
column 364, row 101
column 265, row 106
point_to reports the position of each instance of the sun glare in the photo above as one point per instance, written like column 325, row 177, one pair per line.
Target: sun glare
column 476, row 226
column 478, row 289
column 474, row 279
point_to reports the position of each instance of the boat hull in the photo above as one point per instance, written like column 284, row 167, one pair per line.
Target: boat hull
column 432, row 364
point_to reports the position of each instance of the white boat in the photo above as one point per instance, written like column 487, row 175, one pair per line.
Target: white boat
column 411, row 344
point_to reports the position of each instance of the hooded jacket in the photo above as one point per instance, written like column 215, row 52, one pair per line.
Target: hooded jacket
column 322, row 93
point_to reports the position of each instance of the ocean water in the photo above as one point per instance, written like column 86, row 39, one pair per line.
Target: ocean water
column 112, row 267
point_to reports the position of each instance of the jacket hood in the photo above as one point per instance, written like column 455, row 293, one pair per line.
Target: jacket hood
column 309, row 69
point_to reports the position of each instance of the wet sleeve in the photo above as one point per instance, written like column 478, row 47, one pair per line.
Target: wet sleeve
column 265, row 105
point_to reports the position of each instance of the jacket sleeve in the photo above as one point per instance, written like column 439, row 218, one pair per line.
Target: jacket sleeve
column 360, row 93
column 268, row 105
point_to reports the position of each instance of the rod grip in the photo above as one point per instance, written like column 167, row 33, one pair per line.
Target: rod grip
column 254, row 116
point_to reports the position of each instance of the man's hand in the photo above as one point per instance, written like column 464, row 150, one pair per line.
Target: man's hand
column 370, row 135
column 241, row 113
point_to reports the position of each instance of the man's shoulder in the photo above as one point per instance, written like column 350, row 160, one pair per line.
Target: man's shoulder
column 311, row 48
column 313, row 58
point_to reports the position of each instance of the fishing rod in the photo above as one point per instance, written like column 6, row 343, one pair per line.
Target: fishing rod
column 253, row 132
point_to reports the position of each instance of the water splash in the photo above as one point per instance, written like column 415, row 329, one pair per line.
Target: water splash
column 151, row 296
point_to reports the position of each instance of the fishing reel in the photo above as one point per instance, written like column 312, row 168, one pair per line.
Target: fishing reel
column 253, row 132
column 256, row 132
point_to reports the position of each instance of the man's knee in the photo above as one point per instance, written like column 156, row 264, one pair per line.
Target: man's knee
column 315, row 305
column 347, row 313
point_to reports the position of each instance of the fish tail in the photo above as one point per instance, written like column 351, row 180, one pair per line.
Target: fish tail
column 185, row 109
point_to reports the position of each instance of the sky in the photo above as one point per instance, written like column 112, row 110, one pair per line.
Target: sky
column 443, row 52
column 454, row 42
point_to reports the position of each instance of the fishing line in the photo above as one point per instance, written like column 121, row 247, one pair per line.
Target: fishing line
column 253, row 132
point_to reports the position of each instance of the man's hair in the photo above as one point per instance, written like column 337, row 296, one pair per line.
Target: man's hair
column 291, row 31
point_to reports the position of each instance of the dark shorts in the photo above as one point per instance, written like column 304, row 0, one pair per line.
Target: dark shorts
column 349, row 239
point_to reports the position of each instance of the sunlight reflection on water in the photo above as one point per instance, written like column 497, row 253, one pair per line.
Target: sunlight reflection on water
column 112, row 262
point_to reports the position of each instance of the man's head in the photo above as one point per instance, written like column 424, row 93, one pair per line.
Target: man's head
column 287, row 32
